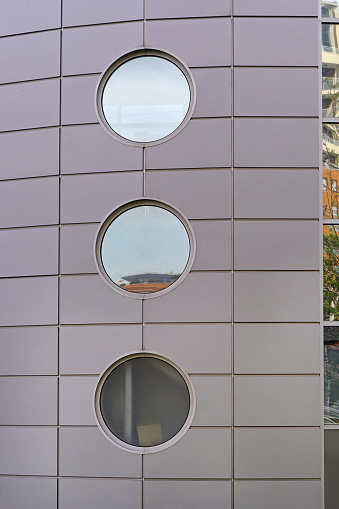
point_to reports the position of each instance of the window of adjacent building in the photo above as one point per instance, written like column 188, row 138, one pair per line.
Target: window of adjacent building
column 330, row 149
column 144, row 248
column 145, row 97
column 143, row 401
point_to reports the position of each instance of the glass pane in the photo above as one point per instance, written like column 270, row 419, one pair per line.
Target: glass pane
column 146, row 98
column 330, row 147
column 329, row 9
column 145, row 249
column 144, row 401
column 330, row 72
column 331, row 468
column 331, row 373
column 331, row 272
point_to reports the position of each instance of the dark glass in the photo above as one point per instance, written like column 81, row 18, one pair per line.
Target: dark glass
column 331, row 375
column 144, row 401
column 331, row 468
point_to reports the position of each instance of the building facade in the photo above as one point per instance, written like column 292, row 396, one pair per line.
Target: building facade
column 241, row 324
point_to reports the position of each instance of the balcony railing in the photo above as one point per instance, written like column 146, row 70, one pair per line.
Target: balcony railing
column 330, row 83
column 330, row 49
column 330, row 140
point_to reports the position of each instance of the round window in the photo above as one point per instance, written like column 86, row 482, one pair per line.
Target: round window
column 145, row 97
column 144, row 401
column 143, row 248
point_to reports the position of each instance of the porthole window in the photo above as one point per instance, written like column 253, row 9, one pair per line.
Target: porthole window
column 144, row 248
column 145, row 97
column 144, row 403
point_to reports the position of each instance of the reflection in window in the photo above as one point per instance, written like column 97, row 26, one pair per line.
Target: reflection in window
column 331, row 372
column 331, row 272
column 330, row 146
column 145, row 249
column 330, row 70
column 144, row 401
column 146, row 98
column 329, row 9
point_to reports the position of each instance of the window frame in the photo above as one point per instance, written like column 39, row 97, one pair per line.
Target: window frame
column 146, row 51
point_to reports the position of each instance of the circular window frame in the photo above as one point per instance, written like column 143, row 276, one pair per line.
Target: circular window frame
column 113, row 214
column 108, row 433
column 118, row 63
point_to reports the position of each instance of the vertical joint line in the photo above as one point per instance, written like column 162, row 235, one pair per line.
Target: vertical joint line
column 143, row 325
column 144, row 24
column 143, row 172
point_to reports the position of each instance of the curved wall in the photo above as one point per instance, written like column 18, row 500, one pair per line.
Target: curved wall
column 242, row 320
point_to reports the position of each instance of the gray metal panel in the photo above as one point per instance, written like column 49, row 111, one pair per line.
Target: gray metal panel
column 187, row 494
column 277, row 453
column 214, row 246
column 32, row 56
column 276, row 8
column 281, row 142
column 276, row 297
column 276, row 194
column 276, row 348
column 77, row 105
column 198, row 42
column 198, row 348
column 191, row 191
column 201, row 453
column 89, row 349
column 276, row 92
column 201, row 297
column 86, row 452
column 38, row 199
column 19, row 446
column 31, row 16
column 187, row 9
column 29, row 252
column 276, row 42
column 18, row 348
column 280, row 245
column 30, row 493
column 214, row 400
column 76, row 400
column 89, row 198
column 87, row 299
column 29, row 153
column 89, row 493
column 28, row 400
column 89, row 149
column 214, row 97
column 86, row 12
column 277, row 494
column 277, row 400
column 29, row 301
column 76, row 248
column 30, row 104
column 92, row 49
column 185, row 151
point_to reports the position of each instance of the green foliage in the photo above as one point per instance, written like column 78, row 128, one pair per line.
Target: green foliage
column 331, row 275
